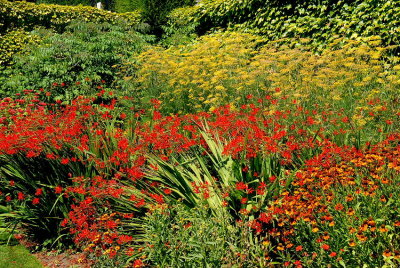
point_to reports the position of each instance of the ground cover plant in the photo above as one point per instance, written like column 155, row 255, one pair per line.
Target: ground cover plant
column 228, row 150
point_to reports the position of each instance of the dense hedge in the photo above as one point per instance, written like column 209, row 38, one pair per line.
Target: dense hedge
column 28, row 15
column 66, row 2
column 13, row 42
column 322, row 20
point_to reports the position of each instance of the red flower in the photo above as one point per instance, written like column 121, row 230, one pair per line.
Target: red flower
column 21, row 196
column 138, row 264
column 241, row 186
column 39, row 192
column 58, row 189
column 35, row 201
column 167, row 191
column 64, row 161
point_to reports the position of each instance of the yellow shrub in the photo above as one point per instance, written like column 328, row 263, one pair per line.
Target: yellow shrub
column 13, row 42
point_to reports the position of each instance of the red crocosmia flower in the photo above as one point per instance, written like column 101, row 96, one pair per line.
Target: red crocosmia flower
column 64, row 161
column 167, row 191
column 21, row 196
column 58, row 189
column 122, row 115
column 299, row 248
column 141, row 203
column 241, row 186
column 55, row 84
column 12, row 183
column 64, row 223
column 39, row 192
column 243, row 200
column 35, row 201
column 272, row 178
column 63, row 84
column 138, row 264
column 130, row 251
column 8, row 198
column 31, row 154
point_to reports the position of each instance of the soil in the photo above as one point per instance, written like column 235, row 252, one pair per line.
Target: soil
column 66, row 259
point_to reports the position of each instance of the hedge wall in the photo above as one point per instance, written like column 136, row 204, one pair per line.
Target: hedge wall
column 320, row 20
column 27, row 15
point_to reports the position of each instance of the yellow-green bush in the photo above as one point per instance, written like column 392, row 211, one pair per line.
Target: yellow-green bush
column 13, row 42
column 226, row 67
column 24, row 14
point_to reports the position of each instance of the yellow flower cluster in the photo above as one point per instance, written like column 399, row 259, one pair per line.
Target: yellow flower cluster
column 225, row 67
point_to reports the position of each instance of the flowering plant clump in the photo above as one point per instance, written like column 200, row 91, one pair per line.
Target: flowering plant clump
column 280, row 175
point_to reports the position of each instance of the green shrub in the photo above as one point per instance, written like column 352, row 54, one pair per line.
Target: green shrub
column 86, row 53
column 29, row 15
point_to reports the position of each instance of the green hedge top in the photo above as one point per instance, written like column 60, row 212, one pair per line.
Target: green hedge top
column 320, row 20
column 28, row 15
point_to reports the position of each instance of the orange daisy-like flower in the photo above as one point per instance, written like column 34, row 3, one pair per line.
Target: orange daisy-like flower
column 325, row 247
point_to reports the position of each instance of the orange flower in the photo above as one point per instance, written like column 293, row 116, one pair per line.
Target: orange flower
column 299, row 248
column 387, row 253
column 325, row 247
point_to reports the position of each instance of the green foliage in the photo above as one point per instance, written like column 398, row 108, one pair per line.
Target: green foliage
column 86, row 53
column 322, row 21
column 13, row 42
column 126, row 5
column 155, row 12
column 181, row 237
column 29, row 15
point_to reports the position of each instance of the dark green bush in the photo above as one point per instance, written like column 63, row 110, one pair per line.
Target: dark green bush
column 86, row 53
column 125, row 5
column 155, row 12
